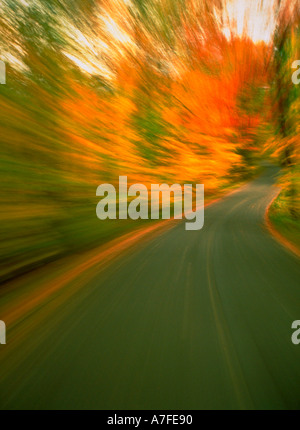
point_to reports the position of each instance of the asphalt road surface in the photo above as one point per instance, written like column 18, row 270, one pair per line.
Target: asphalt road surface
column 190, row 320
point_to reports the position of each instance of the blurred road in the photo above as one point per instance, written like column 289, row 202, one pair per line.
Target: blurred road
column 190, row 320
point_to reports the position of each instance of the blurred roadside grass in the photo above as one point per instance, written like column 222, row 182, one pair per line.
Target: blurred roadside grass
column 284, row 212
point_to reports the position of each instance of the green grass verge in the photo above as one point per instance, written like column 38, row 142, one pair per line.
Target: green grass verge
column 283, row 221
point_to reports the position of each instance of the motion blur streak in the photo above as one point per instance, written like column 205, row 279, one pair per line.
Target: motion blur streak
column 160, row 91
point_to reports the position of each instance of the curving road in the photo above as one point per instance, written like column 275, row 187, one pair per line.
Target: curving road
column 190, row 320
